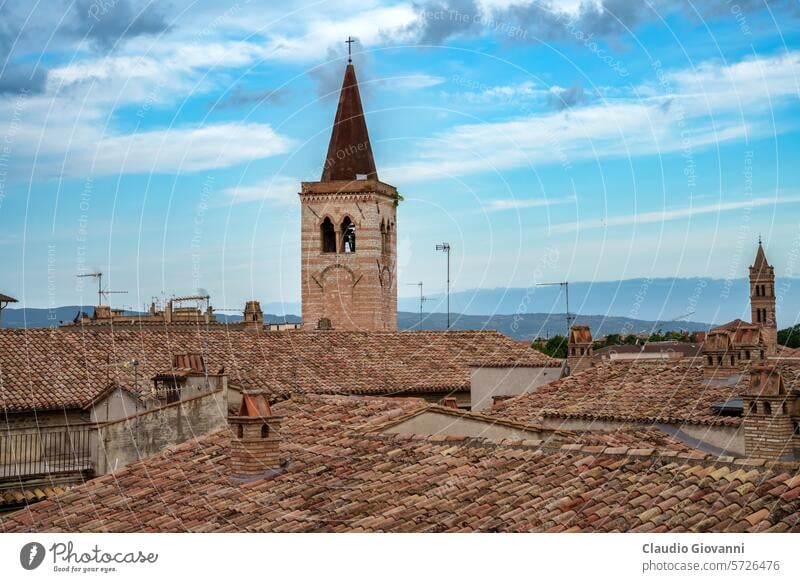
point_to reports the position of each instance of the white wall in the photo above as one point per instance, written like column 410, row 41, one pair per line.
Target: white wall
column 485, row 383
column 431, row 422
column 115, row 405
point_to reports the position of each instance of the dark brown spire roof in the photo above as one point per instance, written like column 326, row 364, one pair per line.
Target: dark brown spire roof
column 349, row 151
column 760, row 263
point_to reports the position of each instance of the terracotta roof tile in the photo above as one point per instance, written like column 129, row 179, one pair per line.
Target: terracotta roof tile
column 674, row 392
column 344, row 477
column 63, row 368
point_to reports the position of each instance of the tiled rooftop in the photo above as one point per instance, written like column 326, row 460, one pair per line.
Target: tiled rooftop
column 50, row 369
column 667, row 392
column 343, row 478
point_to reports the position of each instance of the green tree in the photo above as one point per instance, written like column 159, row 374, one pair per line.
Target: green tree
column 790, row 337
column 555, row 346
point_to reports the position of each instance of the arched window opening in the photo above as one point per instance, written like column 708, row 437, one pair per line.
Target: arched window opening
column 328, row 236
column 753, row 408
column 747, row 354
column 348, row 235
column 264, row 431
column 785, row 409
column 240, row 431
column 767, row 409
column 384, row 236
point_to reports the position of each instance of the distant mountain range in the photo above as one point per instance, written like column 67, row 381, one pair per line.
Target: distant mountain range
column 714, row 301
column 523, row 327
column 637, row 305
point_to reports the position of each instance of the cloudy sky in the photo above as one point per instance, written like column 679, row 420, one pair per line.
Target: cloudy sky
column 163, row 143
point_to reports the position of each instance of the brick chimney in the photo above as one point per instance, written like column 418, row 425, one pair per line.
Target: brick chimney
column 768, row 408
column 253, row 316
column 450, row 402
column 255, row 439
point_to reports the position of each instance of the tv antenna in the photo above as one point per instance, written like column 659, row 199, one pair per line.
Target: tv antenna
column 422, row 299
column 565, row 285
column 445, row 248
column 100, row 291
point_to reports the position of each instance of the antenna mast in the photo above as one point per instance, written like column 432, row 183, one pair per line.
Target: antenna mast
column 565, row 285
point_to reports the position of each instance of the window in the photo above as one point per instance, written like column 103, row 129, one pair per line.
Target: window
column 348, row 236
column 747, row 354
column 767, row 409
column 753, row 408
column 328, row 236
column 240, row 431
column 384, row 236
column 785, row 409
column 264, row 431
column 710, row 360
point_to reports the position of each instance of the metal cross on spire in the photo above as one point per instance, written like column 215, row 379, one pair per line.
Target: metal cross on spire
column 349, row 43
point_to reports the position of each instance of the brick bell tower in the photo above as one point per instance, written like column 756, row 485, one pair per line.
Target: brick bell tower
column 762, row 298
column 348, row 224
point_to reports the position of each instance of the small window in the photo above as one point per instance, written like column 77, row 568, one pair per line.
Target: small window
column 348, row 235
column 767, row 409
column 240, row 431
column 747, row 354
column 264, row 431
column 753, row 408
column 710, row 360
column 328, row 236
column 785, row 409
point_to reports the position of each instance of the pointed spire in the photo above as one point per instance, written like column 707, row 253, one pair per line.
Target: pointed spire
column 761, row 258
column 349, row 152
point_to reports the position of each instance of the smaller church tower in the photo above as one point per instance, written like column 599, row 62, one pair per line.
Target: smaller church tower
column 762, row 299
column 579, row 348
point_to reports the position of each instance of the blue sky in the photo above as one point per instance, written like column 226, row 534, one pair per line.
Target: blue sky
column 164, row 143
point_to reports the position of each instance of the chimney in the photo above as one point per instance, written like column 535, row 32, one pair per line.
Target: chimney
column 768, row 408
column 450, row 402
column 253, row 316
column 255, row 439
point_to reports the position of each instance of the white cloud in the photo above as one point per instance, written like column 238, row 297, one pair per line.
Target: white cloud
column 688, row 111
column 280, row 189
column 413, row 82
column 666, row 215
column 521, row 203
column 195, row 149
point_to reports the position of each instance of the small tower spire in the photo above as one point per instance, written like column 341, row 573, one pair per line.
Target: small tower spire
column 349, row 151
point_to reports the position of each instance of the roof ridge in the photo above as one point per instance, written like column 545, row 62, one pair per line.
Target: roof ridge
column 686, row 458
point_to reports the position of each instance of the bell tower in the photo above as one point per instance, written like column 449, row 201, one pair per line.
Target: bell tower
column 348, row 230
column 762, row 298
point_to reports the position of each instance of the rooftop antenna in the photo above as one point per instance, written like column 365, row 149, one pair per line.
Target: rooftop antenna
column 445, row 247
column 422, row 300
column 565, row 285
column 100, row 291
column 349, row 42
